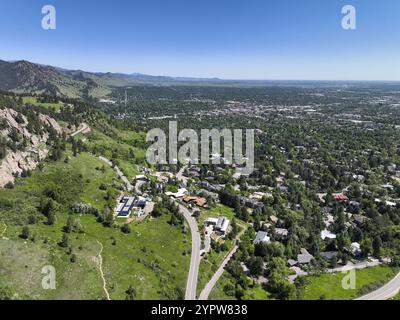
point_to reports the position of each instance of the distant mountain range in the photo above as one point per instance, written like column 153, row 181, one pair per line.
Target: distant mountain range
column 27, row 77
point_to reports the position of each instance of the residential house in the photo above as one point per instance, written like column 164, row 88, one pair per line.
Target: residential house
column 326, row 234
column 328, row 255
column 262, row 237
column 281, row 232
column 360, row 219
column 179, row 194
column 304, row 257
column 198, row 201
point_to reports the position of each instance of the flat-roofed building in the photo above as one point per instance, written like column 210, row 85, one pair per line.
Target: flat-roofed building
column 124, row 207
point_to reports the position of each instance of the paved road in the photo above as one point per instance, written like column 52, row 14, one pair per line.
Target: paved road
column 210, row 285
column 83, row 128
column 191, row 285
column 129, row 186
column 386, row 292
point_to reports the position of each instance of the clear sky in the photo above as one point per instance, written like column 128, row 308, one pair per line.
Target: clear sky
column 235, row 39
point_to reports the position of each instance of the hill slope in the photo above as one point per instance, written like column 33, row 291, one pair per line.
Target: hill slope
column 27, row 77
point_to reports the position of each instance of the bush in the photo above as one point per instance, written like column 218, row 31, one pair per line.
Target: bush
column 126, row 228
column 25, row 232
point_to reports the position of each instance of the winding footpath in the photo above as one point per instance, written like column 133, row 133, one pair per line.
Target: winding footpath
column 191, row 285
column 100, row 257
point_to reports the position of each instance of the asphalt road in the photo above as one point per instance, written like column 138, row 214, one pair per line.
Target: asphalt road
column 210, row 285
column 191, row 285
column 386, row 292
column 83, row 127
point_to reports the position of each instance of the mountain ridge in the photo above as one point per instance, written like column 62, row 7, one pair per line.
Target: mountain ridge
column 22, row 76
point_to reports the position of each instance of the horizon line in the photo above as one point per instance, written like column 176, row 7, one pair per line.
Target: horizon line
column 205, row 78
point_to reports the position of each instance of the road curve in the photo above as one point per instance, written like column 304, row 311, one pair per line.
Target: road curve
column 210, row 285
column 389, row 290
column 83, row 127
column 191, row 285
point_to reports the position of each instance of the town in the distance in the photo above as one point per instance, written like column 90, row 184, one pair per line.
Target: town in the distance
column 84, row 215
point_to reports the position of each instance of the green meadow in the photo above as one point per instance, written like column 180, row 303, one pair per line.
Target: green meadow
column 153, row 258
column 329, row 286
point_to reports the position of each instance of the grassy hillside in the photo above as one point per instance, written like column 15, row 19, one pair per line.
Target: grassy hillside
column 33, row 101
column 27, row 77
column 153, row 258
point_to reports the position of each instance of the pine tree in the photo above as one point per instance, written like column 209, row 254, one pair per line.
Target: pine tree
column 25, row 232
column 130, row 293
column 64, row 241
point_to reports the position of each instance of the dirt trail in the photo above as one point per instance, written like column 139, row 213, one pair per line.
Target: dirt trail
column 101, row 270
column 4, row 231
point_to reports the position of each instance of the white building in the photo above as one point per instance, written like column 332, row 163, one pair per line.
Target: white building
column 327, row 234
column 262, row 237
column 220, row 224
column 179, row 194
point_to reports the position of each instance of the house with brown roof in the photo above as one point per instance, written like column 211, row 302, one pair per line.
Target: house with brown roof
column 198, row 201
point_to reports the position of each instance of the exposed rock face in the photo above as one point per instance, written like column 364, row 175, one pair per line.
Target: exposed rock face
column 15, row 162
column 51, row 122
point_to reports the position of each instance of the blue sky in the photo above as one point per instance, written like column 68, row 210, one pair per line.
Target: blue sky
column 235, row 39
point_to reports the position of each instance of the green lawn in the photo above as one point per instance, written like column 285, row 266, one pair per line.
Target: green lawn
column 329, row 286
column 255, row 292
column 217, row 211
column 217, row 293
column 120, row 148
column 33, row 101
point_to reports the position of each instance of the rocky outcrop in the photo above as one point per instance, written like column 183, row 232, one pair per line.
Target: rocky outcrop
column 50, row 122
column 16, row 162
